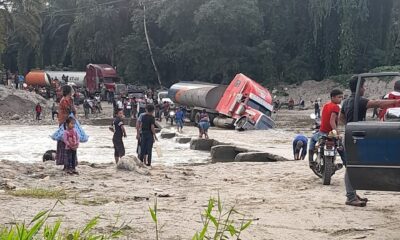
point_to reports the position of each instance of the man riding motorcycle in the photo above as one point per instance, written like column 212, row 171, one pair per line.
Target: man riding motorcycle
column 329, row 122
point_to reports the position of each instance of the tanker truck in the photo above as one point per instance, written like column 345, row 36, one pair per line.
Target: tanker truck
column 243, row 104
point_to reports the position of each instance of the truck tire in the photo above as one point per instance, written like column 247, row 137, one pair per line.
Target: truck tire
column 197, row 118
column 327, row 171
column 240, row 124
column 192, row 115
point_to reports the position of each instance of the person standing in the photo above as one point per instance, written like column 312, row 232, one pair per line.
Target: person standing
column 346, row 116
column 179, row 117
column 146, row 134
column 53, row 111
column 65, row 108
column 38, row 110
column 119, row 131
column 317, row 110
column 204, row 124
column 71, row 141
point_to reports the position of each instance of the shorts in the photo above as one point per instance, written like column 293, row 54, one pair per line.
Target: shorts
column 119, row 148
column 204, row 125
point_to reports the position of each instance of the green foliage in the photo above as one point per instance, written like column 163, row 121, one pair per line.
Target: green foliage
column 38, row 229
column 39, row 193
column 153, row 213
column 219, row 224
column 209, row 40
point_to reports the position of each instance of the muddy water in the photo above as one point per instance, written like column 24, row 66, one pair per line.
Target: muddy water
column 28, row 144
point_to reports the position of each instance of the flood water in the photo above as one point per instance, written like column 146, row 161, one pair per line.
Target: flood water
column 29, row 143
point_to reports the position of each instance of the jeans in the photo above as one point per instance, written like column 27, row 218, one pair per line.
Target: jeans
column 146, row 146
column 179, row 123
column 314, row 139
column 350, row 192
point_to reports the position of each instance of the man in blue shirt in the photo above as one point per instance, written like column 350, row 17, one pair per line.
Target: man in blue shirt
column 179, row 117
column 300, row 143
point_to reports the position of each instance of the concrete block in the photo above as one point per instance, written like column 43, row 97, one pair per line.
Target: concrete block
column 258, row 157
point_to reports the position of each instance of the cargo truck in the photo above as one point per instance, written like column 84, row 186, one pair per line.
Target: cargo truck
column 243, row 104
column 100, row 78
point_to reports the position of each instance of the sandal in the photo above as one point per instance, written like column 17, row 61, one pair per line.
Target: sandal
column 356, row 203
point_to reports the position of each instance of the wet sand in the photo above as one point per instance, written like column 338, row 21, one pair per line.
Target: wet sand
column 284, row 199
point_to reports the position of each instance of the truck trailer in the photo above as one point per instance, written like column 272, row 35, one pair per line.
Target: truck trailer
column 243, row 104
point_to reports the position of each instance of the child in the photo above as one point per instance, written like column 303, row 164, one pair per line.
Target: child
column 119, row 131
column 71, row 140
column 38, row 110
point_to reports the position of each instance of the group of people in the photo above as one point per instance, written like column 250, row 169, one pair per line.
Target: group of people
column 145, row 135
column 14, row 80
column 333, row 115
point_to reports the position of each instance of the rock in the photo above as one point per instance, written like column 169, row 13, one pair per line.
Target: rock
column 183, row 140
column 9, row 186
column 201, row 144
column 15, row 117
column 223, row 153
column 132, row 163
column 258, row 157
column 167, row 135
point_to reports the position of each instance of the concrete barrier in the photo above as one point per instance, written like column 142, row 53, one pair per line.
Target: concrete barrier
column 167, row 135
column 223, row 153
column 183, row 140
column 258, row 157
column 201, row 144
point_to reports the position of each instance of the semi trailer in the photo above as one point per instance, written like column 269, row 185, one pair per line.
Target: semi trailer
column 243, row 104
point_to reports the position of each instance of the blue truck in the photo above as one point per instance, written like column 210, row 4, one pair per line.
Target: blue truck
column 373, row 149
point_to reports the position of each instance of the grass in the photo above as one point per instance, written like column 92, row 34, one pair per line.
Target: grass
column 39, row 193
column 38, row 229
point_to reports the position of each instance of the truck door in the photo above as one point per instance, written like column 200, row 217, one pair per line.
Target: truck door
column 373, row 155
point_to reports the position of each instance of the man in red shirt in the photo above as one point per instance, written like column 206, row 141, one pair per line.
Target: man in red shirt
column 329, row 121
column 392, row 95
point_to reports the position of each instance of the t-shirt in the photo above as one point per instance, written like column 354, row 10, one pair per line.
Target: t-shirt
column 179, row 115
column 391, row 95
column 348, row 108
column 304, row 139
column 327, row 110
column 147, row 121
column 118, row 123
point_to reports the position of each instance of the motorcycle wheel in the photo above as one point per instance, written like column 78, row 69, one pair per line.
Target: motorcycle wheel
column 327, row 171
column 314, row 169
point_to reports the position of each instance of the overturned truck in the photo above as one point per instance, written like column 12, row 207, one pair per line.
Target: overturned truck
column 243, row 104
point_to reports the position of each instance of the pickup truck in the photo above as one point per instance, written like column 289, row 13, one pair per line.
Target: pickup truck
column 373, row 149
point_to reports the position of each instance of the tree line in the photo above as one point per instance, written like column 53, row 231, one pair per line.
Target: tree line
column 272, row 41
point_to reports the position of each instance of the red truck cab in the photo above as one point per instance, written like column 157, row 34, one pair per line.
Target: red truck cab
column 100, row 77
column 248, row 102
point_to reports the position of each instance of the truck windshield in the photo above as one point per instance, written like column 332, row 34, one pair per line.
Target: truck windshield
column 110, row 80
column 255, row 105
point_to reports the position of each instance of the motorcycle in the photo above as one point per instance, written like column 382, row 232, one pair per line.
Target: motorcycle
column 325, row 153
column 170, row 117
column 317, row 123
column 324, row 159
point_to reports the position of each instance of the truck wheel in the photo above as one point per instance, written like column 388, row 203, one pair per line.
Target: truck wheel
column 197, row 118
column 240, row 124
column 193, row 115
column 327, row 171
